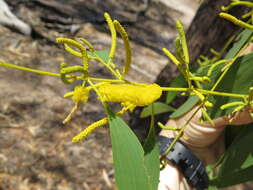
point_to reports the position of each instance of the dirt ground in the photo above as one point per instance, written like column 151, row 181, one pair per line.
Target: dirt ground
column 36, row 151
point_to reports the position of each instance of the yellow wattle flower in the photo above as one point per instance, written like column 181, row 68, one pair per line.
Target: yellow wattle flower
column 89, row 129
column 128, row 106
column 80, row 94
column 139, row 95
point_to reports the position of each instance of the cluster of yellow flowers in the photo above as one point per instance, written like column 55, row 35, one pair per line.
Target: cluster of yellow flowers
column 129, row 94
column 236, row 21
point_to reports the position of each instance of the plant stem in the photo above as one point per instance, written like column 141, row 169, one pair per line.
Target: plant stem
column 222, row 93
column 206, row 92
column 181, row 132
column 28, row 69
column 174, row 89
column 107, row 66
column 106, row 80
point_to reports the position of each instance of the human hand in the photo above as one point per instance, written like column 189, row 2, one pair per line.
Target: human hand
column 203, row 139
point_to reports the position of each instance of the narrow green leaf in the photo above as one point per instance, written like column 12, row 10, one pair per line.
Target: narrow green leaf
column 234, row 178
column 210, row 187
column 237, row 164
column 178, row 82
column 242, row 39
column 152, row 161
column 128, row 156
column 237, row 80
column 159, row 108
column 192, row 101
column 239, row 155
column 248, row 162
column 103, row 54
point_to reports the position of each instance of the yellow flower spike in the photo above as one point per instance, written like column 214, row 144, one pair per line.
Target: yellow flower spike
column 214, row 52
column 205, row 79
column 179, row 50
column 71, row 42
column 139, row 95
column 202, row 62
column 97, row 124
column 72, row 51
column 238, row 108
column 65, row 69
column 183, row 42
column 64, row 76
column 208, row 104
column 205, row 59
column 236, row 21
column 171, row 57
column 202, row 98
column 165, row 127
column 249, row 14
column 87, row 43
column 231, row 104
column 175, row 61
column 184, row 71
column 236, row 3
column 200, row 79
column 206, row 116
column 185, row 53
column 81, row 94
column 210, row 70
column 68, row 94
column 72, row 69
column 128, row 53
column 113, row 35
column 128, row 106
column 89, row 129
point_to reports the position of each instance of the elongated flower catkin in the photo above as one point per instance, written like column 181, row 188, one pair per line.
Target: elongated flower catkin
column 89, row 129
column 138, row 95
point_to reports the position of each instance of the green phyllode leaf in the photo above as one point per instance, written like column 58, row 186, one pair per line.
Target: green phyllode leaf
column 151, row 159
column 130, row 167
column 241, row 40
column 237, row 164
column 183, row 109
column 237, row 80
column 178, row 82
column 159, row 108
column 103, row 54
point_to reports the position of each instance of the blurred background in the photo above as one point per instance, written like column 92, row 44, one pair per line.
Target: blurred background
column 36, row 151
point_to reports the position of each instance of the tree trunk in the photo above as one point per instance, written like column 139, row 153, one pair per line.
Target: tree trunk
column 206, row 31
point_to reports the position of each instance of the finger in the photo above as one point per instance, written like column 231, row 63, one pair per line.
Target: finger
column 171, row 179
column 205, row 140
column 198, row 134
column 241, row 117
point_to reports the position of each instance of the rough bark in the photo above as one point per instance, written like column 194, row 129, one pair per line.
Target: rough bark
column 207, row 31
column 7, row 18
column 143, row 19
